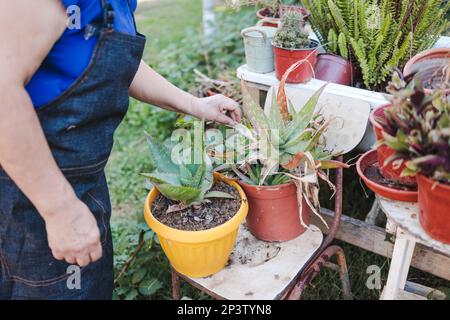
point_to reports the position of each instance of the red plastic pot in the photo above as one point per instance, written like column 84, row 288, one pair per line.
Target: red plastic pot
column 285, row 58
column 434, row 205
column 384, row 152
column 370, row 159
column 273, row 212
column 270, row 21
column 435, row 53
column 334, row 68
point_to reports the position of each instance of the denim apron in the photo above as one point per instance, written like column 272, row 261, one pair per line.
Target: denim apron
column 79, row 127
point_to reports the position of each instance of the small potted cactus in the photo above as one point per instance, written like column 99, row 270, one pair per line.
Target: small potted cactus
column 195, row 213
column 292, row 46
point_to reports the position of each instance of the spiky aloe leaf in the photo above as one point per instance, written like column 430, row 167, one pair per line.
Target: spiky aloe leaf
column 293, row 162
column 317, row 135
column 163, row 178
column 219, row 194
column 207, row 179
column 275, row 115
column 254, row 112
column 301, row 119
column 184, row 194
column 160, row 156
column 186, row 177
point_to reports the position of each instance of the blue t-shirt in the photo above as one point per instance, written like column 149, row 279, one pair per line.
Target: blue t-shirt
column 71, row 54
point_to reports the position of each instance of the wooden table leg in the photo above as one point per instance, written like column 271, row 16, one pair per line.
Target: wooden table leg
column 400, row 263
column 175, row 286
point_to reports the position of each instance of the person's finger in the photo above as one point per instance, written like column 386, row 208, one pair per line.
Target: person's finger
column 96, row 253
column 83, row 260
column 71, row 260
column 224, row 119
column 236, row 115
column 233, row 109
column 58, row 255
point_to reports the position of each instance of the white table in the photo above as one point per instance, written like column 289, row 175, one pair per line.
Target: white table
column 403, row 222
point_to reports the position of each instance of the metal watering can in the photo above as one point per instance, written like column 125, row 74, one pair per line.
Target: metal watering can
column 258, row 48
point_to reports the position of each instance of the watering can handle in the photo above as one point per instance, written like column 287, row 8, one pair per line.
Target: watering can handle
column 264, row 35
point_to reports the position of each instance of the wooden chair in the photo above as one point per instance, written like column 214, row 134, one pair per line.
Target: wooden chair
column 272, row 271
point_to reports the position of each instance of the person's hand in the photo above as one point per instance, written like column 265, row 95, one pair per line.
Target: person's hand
column 217, row 108
column 73, row 234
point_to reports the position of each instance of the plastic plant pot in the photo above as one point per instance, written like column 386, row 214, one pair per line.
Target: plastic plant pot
column 285, row 58
column 270, row 21
column 388, row 170
column 334, row 68
column 434, row 205
column 439, row 54
column 368, row 163
column 274, row 212
column 198, row 253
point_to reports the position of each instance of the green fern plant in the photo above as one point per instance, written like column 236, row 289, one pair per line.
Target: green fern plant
column 380, row 35
column 188, row 183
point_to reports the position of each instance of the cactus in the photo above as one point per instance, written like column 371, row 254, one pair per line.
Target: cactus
column 291, row 34
column 186, row 183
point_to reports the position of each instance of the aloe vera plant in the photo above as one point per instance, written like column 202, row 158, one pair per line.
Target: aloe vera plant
column 187, row 183
column 285, row 145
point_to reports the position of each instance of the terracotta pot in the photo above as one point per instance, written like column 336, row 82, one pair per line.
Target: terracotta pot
column 370, row 159
column 434, row 205
column 273, row 212
column 285, row 58
column 384, row 152
column 334, row 68
column 270, row 21
column 435, row 53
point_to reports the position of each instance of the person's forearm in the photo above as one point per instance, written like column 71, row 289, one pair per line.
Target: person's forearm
column 150, row 87
column 25, row 154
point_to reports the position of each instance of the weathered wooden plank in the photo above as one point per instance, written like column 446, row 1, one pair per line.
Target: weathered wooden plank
column 373, row 239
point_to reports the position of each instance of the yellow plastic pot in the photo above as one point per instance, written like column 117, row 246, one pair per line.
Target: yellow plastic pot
column 198, row 254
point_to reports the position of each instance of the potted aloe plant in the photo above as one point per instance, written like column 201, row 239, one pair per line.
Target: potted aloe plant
column 293, row 46
column 285, row 158
column 195, row 213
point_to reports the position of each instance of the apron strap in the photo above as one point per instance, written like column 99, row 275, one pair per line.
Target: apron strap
column 95, row 28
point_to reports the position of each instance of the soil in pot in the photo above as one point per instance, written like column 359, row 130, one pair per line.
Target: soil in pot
column 388, row 170
column 434, row 207
column 369, row 171
column 285, row 58
column 205, row 216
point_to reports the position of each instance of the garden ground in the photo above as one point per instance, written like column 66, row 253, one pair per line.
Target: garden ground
column 175, row 48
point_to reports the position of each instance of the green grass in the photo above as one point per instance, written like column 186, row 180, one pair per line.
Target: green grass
column 172, row 28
